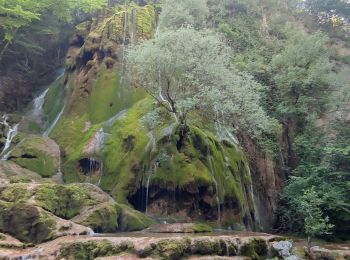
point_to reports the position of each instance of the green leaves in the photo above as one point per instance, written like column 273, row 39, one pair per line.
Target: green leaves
column 16, row 14
column 314, row 221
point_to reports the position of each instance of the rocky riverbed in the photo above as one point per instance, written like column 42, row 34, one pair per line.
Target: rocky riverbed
column 146, row 245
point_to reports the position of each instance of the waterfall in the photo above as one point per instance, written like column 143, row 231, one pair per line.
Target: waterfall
column 101, row 174
column 12, row 132
column 227, row 245
column 212, row 172
column 153, row 170
column 151, row 147
column 54, row 123
column 252, row 194
column 39, row 102
column 124, row 34
column 59, row 174
column 133, row 27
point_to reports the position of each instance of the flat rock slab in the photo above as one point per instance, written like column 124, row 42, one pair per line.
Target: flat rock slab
column 140, row 242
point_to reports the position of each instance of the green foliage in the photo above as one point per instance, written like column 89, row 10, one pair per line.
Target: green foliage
column 183, row 13
column 315, row 223
column 164, row 67
column 324, row 165
column 16, row 14
column 302, row 74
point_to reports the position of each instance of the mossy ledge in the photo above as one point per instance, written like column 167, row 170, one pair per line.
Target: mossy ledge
column 170, row 248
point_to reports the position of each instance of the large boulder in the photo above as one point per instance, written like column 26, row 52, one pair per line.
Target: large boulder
column 37, row 154
column 35, row 212
column 26, row 222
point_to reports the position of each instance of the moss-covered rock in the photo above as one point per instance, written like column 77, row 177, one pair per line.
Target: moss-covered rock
column 16, row 193
column 11, row 172
column 26, row 222
column 256, row 249
column 133, row 220
column 92, row 249
column 102, row 219
column 63, row 201
column 171, row 248
column 40, row 155
column 106, row 143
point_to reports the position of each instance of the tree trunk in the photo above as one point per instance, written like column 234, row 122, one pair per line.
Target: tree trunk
column 309, row 243
column 4, row 50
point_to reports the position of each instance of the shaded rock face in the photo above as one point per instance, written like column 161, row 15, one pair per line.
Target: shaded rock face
column 268, row 181
column 203, row 180
column 21, row 75
column 25, row 222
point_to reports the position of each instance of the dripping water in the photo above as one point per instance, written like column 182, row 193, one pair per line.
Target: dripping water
column 54, row 123
column 151, row 147
column 12, row 132
column 133, row 27
column 151, row 172
column 101, row 175
column 227, row 245
column 39, row 102
column 212, row 172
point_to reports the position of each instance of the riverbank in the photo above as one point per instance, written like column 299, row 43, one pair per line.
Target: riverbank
column 144, row 245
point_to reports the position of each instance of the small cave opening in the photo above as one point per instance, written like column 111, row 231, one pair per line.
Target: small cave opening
column 90, row 166
column 87, row 56
column 138, row 199
column 78, row 41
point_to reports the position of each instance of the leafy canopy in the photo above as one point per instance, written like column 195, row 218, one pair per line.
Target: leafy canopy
column 188, row 70
column 16, row 14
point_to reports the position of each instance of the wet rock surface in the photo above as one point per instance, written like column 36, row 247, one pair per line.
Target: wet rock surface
column 136, row 246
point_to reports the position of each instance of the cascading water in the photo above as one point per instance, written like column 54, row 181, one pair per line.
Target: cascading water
column 39, row 102
column 12, row 132
column 59, row 174
column 133, row 27
column 151, row 172
column 54, row 123
column 212, row 172
column 151, row 147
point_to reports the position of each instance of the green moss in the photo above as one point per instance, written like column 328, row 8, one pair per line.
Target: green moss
column 26, row 222
column 104, row 219
column 31, row 154
column 133, row 220
column 108, row 97
column 206, row 246
column 63, row 201
column 256, row 249
column 120, row 161
column 92, row 250
column 171, row 249
column 16, row 193
column 202, row 228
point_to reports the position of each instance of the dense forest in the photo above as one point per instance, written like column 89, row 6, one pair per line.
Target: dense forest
column 186, row 116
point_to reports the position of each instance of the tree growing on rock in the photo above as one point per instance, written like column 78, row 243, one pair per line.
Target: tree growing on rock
column 315, row 223
column 189, row 71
